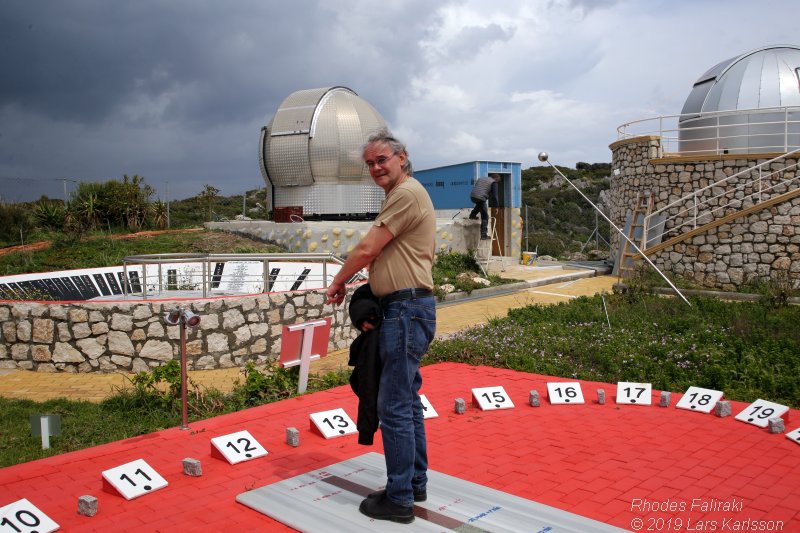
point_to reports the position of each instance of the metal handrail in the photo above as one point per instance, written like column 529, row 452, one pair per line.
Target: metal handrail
column 205, row 261
column 695, row 195
column 667, row 128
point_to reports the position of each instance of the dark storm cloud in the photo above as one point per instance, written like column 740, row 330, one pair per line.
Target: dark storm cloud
column 199, row 62
column 83, row 61
column 179, row 89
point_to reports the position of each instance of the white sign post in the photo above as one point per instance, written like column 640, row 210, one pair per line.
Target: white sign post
column 307, row 344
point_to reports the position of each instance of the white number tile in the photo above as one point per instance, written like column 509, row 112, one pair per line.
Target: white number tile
column 24, row 517
column 427, row 408
column 699, row 399
column 491, row 398
column 634, row 393
column 760, row 411
column 565, row 393
column 237, row 447
column 333, row 423
column 133, row 479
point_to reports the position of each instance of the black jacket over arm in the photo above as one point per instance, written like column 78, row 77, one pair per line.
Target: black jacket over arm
column 365, row 358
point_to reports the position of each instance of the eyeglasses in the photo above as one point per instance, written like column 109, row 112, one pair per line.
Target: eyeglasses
column 380, row 161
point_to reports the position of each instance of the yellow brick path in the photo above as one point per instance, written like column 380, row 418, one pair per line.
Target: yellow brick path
column 450, row 318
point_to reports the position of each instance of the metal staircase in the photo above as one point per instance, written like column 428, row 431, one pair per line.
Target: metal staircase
column 743, row 193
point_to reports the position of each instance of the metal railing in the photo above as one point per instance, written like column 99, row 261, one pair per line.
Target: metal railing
column 701, row 209
column 766, row 130
column 201, row 278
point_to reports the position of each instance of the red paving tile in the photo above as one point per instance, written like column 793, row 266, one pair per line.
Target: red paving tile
column 616, row 464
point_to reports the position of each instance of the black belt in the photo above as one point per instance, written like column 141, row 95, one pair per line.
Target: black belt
column 405, row 294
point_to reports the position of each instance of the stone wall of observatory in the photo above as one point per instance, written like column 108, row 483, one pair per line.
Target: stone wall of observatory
column 339, row 238
column 133, row 337
column 764, row 245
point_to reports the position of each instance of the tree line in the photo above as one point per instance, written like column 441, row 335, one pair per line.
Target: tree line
column 124, row 205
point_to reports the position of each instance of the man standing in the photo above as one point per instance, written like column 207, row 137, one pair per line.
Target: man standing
column 484, row 190
column 399, row 249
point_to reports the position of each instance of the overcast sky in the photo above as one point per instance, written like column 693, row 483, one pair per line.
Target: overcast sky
column 177, row 90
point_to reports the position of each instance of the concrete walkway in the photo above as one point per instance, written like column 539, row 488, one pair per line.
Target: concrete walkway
column 545, row 284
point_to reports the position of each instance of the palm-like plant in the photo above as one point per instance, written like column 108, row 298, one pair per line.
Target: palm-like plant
column 158, row 212
column 50, row 214
column 87, row 211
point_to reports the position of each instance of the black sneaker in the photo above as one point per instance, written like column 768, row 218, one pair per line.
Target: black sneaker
column 419, row 495
column 382, row 508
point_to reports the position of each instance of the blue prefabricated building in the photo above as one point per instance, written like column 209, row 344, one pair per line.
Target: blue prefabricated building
column 449, row 187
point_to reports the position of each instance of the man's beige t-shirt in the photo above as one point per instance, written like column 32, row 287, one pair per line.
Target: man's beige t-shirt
column 407, row 261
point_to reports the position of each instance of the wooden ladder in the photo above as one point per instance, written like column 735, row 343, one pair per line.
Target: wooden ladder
column 641, row 210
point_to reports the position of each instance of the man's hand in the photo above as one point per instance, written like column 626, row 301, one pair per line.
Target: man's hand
column 335, row 293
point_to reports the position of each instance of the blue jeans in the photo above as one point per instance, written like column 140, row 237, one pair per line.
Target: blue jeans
column 407, row 329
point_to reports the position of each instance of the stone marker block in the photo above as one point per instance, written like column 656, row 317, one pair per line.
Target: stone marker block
column 723, row 408
column 665, row 399
column 87, row 505
column 776, row 425
column 533, row 398
column 192, row 467
column 292, row 437
column 601, row 396
column 461, row 406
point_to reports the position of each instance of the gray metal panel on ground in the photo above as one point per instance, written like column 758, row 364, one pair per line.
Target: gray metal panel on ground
column 327, row 500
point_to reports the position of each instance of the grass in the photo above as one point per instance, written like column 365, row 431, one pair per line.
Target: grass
column 102, row 250
column 150, row 403
column 746, row 350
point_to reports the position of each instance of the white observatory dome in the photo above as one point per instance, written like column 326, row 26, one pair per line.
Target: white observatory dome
column 310, row 153
column 764, row 79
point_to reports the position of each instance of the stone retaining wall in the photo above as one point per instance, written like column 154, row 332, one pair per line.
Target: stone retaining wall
column 339, row 238
column 133, row 337
column 764, row 245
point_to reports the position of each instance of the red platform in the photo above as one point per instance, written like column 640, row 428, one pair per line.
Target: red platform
column 617, row 464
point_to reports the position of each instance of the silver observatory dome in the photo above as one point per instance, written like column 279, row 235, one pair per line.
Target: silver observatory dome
column 310, row 153
column 749, row 104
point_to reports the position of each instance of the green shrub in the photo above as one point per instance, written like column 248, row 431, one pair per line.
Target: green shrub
column 448, row 267
column 733, row 347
